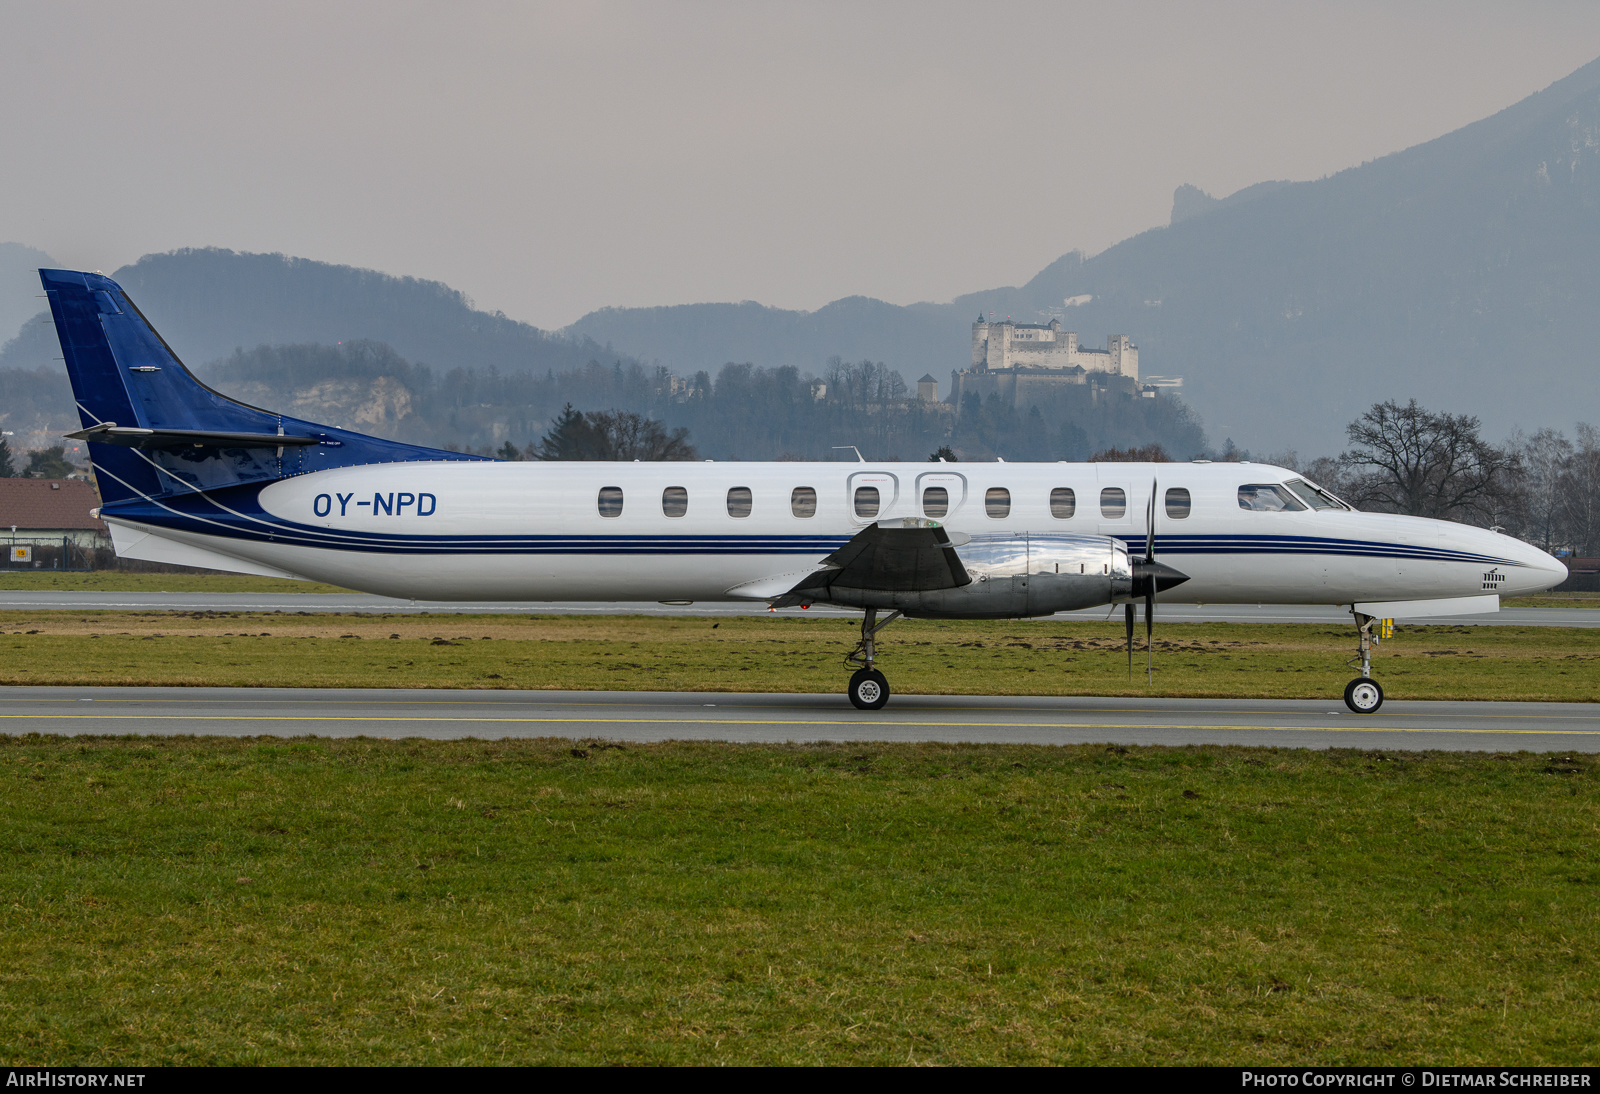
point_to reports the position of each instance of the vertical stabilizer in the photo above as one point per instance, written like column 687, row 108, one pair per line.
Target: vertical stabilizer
column 154, row 429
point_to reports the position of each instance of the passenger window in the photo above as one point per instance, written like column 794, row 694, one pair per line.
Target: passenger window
column 739, row 502
column 1177, row 503
column 803, row 502
column 611, row 501
column 1113, row 503
column 1268, row 498
column 866, row 501
column 935, row 501
column 997, row 502
column 1063, row 503
column 674, row 501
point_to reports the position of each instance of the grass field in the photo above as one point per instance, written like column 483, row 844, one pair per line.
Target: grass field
column 188, row 901
column 114, row 581
column 781, row 654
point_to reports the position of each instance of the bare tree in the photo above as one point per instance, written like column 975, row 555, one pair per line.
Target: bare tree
column 1408, row 459
column 631, row 436
column 1544, row 466
column 1326, row 471
column 1579, row 494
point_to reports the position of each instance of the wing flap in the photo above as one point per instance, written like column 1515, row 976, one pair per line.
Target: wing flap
column 904, row 555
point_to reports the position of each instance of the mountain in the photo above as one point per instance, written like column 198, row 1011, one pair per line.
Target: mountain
column 209, row 302
column 19, row 286
column 1464, row 272
column 687, row 338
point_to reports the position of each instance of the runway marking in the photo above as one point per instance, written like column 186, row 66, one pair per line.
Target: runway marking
column 1353, row 728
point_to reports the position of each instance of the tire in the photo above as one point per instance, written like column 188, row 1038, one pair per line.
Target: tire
column 868, row 690
column 1363, row 695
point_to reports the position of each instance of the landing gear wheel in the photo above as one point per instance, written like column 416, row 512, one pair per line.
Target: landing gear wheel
column 869, row 690
column 1363, row 695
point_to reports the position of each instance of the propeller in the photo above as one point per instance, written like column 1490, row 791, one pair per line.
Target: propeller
column 1127, row 616
column 1150, row 588
column 1149, row 578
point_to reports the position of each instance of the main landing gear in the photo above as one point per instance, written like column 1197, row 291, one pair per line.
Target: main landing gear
column 1363, row 694
column 868, row 690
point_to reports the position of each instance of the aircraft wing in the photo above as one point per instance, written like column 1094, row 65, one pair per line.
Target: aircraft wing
column 909, row 554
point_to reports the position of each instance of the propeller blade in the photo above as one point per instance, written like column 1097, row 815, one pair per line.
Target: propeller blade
column 1127, row 615
column 1150, row 526
column 1149, row 632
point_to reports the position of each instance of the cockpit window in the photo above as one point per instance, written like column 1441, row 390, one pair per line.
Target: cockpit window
column 1314, row 496
column 1268, row 498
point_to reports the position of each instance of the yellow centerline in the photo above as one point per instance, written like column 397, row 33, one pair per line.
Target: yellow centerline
column 1352, row 728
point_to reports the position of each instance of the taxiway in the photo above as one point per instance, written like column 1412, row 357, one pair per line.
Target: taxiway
column 658, row 716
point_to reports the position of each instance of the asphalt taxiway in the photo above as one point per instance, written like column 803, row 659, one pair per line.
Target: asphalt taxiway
column 658, row 716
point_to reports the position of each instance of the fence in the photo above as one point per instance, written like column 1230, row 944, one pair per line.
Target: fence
column 32, row 553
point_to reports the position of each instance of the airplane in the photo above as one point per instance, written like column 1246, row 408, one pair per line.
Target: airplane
column 192, row 477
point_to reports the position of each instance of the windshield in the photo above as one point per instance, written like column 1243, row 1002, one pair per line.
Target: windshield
column 1315, row 496
column 1268, row 497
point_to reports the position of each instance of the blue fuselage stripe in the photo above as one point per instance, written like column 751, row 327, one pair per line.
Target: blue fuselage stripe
column 237, row 514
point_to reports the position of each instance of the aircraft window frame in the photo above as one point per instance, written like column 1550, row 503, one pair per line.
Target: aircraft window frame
column 609, row 502
column 803, row 502
column 1184, row 505
column 867, row 502
column 939, row 507
column 1314, row 496
column 741, row 502
column 997, row 503
column 1063, row 502
column 675, row 502
column 1113, row 503
column 1262, row 496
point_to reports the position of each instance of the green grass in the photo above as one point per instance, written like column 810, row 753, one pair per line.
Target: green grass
column 114, row 581
column 1553, row 600
column 120, row 582
column 205, row 901
column 782, row 654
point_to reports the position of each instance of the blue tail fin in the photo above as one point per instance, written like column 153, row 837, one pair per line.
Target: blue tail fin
column 153, row 429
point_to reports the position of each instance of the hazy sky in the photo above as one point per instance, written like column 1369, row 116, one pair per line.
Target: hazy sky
column 549, row 159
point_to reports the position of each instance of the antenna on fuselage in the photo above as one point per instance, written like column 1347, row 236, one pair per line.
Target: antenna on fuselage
column 852, row 448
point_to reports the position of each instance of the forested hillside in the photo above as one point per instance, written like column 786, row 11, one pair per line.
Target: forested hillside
column 740, row 412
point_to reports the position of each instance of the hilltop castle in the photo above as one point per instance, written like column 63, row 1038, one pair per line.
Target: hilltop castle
column 1023, row 362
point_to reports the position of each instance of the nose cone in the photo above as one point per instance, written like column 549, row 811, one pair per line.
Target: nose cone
column 1155, row 577
column 1534, row 572
column 1549, row 571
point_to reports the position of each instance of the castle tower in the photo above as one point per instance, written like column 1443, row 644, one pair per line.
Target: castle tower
column 980, row 342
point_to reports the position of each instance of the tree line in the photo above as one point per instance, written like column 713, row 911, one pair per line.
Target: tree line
column 42, row 463
column 743, row 412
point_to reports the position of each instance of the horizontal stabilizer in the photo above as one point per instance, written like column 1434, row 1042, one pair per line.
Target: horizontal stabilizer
column 136, row 437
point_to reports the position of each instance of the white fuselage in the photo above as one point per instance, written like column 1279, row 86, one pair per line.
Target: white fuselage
column 536, row 531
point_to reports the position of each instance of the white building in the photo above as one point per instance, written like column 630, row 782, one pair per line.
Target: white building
column 1030, row 345
column 1024, row 363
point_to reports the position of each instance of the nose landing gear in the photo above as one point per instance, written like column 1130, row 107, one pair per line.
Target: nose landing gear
column 1364, row 695
column 868, row 690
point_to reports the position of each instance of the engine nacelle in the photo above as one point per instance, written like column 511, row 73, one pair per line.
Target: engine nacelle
column 1014, row 576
